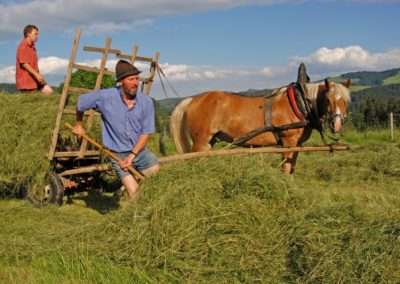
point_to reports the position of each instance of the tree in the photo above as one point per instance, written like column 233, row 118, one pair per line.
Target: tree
column 87, row 80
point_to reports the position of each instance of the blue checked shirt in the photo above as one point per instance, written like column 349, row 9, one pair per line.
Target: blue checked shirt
column 121, row 126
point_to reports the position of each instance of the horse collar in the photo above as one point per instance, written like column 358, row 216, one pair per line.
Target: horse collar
column 293, row 103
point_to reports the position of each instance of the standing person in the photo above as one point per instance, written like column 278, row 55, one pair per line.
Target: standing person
column 27, row 74
column 127, row 120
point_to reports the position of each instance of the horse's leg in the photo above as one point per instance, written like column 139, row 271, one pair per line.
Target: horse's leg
column 202, row 143
column 294, row 159
column 199, row 147
column 289, row 157
column 304, row 137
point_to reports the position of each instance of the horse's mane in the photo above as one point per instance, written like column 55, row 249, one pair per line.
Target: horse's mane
column 337, row 88
column 312, row 91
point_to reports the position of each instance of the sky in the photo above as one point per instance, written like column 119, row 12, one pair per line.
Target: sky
column 231, row 45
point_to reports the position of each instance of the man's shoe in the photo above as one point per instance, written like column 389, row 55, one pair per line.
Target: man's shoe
column 120, row 191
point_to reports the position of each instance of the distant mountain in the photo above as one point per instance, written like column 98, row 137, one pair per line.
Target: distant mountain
column 256, row 93
column 170, row 103
column 8, row 88
column 373, row 79
column 385, row 92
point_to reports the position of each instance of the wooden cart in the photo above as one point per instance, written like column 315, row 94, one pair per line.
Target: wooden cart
column 79, row 168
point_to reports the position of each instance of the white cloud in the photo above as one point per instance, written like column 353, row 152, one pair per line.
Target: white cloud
column 53, row 65
column 275, row 71
column 195, row 73
column 7, row 74
column 326, row 62
column 351, row 58
column 192, row 79
column 104, row 16
column 107, row 16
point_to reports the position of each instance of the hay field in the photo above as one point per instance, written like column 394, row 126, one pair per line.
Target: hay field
column 222, row 219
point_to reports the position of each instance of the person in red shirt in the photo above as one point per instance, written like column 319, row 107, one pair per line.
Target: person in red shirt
column 27, row 74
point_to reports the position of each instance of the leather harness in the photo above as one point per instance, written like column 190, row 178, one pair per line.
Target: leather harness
column 299, row 106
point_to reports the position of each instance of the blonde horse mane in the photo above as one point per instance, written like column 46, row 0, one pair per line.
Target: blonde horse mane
column 312, row 91
column 338, row 89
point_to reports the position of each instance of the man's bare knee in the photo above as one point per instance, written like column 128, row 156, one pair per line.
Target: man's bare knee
column 152, row 170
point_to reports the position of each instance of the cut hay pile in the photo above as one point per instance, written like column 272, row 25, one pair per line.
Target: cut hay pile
column 225, row 219
column 27, row 121
column 26, row 124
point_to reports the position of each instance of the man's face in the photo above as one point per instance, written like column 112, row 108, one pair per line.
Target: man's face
column 33, row 35
column 130, row 85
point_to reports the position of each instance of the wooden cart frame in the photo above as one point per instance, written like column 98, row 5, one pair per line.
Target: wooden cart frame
column 75, row 168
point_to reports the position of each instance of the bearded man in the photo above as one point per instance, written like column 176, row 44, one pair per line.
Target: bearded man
column 127, row 120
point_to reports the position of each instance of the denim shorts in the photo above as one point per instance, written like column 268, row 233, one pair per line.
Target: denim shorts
column 144, row 160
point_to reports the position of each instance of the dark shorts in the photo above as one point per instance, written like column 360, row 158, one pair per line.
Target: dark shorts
column 144, row 160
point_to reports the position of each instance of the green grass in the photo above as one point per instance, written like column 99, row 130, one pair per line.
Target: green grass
column 392, row 80
column 221, row 219
column 358, row 88
column 224, row 219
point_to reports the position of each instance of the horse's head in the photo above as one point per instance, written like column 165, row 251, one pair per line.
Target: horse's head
column 337, row 98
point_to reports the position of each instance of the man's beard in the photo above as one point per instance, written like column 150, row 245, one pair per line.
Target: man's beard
column 131, row 93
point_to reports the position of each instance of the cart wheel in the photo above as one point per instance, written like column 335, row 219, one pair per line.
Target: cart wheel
column 52, row 193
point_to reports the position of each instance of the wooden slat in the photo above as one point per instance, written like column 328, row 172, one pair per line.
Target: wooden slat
column 73, row 112
column 93, row 69
column 107, row 72
column 97, row 86
column 100, row 49
column 75, row 154
column 63, row 98
column 134, row 54
column 79, row 90
column 152, row 73
column 87, row 169
column 129, row 56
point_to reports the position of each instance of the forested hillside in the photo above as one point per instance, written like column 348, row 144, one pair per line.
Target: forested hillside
column 370, row 78
column 8, row 88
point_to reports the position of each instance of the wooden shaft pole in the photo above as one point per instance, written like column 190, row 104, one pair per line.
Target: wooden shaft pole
column 214, row 153
column 107, row 152
column 391, row 127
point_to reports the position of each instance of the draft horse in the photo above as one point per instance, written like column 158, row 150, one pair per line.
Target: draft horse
column 219, row 116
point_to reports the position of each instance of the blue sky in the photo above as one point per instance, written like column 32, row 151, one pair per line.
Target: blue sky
column 205, row 45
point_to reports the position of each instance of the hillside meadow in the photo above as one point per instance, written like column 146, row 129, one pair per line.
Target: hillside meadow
column 222, row 219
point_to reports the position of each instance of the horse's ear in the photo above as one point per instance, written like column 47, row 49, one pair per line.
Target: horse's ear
column 327, row 84
column 347, row 84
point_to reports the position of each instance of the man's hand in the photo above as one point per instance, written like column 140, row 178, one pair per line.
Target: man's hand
column 40, row 79
column 124, row 164
column 47, row 90
column 78, row 130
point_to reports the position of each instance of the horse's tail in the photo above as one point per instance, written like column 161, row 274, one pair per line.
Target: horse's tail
column 179, row 129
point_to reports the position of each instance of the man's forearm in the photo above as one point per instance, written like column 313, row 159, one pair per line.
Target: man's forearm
column 79, row 117
column 29, row 68
column 141, row 143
